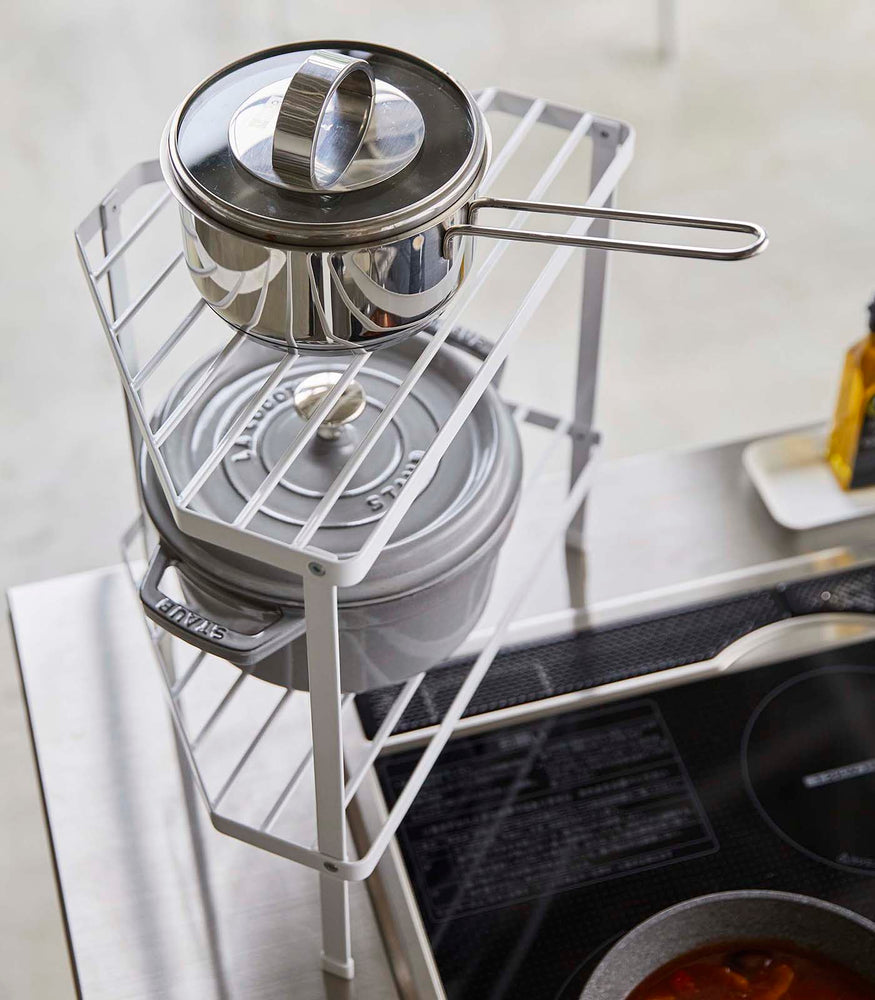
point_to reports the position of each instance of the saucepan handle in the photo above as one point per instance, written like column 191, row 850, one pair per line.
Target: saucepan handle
column 470, row 228
column 197, row 629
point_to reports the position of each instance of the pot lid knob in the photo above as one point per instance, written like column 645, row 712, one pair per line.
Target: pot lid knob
column 310, row 392
column 330, row 128
column 323, row 119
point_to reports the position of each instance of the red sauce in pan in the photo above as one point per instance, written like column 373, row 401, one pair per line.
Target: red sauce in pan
column 745, row 970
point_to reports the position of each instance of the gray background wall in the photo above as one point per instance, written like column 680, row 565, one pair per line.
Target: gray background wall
column 768, row 112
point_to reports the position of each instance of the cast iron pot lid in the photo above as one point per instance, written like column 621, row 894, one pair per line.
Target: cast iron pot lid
column 424, row 150
column 472, row 493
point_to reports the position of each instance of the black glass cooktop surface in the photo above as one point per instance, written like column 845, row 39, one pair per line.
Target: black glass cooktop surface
column 531, row 848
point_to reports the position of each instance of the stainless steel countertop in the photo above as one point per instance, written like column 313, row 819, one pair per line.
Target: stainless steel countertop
column 663, row 530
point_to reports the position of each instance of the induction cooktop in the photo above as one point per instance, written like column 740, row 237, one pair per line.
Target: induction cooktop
column 532, row 847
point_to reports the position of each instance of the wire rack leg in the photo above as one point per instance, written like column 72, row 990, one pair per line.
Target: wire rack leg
column 196, row 834
column 211, row 919
column 605, row 142
column 119, row 299
column 323, row 657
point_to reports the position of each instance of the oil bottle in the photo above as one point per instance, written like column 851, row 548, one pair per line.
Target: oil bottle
column 851, row 450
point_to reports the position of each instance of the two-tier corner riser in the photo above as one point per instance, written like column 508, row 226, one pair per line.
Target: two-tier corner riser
column 319, row 773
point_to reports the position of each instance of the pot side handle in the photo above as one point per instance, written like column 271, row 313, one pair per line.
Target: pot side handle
column 598, row 243
column 216, row 638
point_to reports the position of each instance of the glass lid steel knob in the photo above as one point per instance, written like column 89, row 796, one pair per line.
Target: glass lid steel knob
column 323, row 119
column 330, row 128
column 310, row 392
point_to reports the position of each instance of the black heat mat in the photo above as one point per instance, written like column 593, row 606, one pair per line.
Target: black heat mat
column 532, row 847
column 615, row 652
column 595, row 656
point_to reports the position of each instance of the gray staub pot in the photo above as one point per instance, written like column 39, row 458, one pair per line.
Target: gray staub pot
column 833, row 931
column 328, row 192
column 430, row 584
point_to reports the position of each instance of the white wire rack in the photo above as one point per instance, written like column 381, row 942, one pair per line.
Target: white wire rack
column 300, row 553
column 323, row 572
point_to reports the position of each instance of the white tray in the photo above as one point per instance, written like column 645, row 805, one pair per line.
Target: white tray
column 797, row 485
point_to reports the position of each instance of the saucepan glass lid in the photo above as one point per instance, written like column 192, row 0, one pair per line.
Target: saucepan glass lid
column 327, row 136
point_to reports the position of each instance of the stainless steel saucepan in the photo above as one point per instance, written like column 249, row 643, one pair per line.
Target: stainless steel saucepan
column 328, row 195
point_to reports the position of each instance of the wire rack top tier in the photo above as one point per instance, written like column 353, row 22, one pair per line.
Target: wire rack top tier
column 301, row 553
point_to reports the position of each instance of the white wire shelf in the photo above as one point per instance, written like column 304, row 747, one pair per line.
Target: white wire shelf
column 302, row 554
column 234, row 785
column 261, row 831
